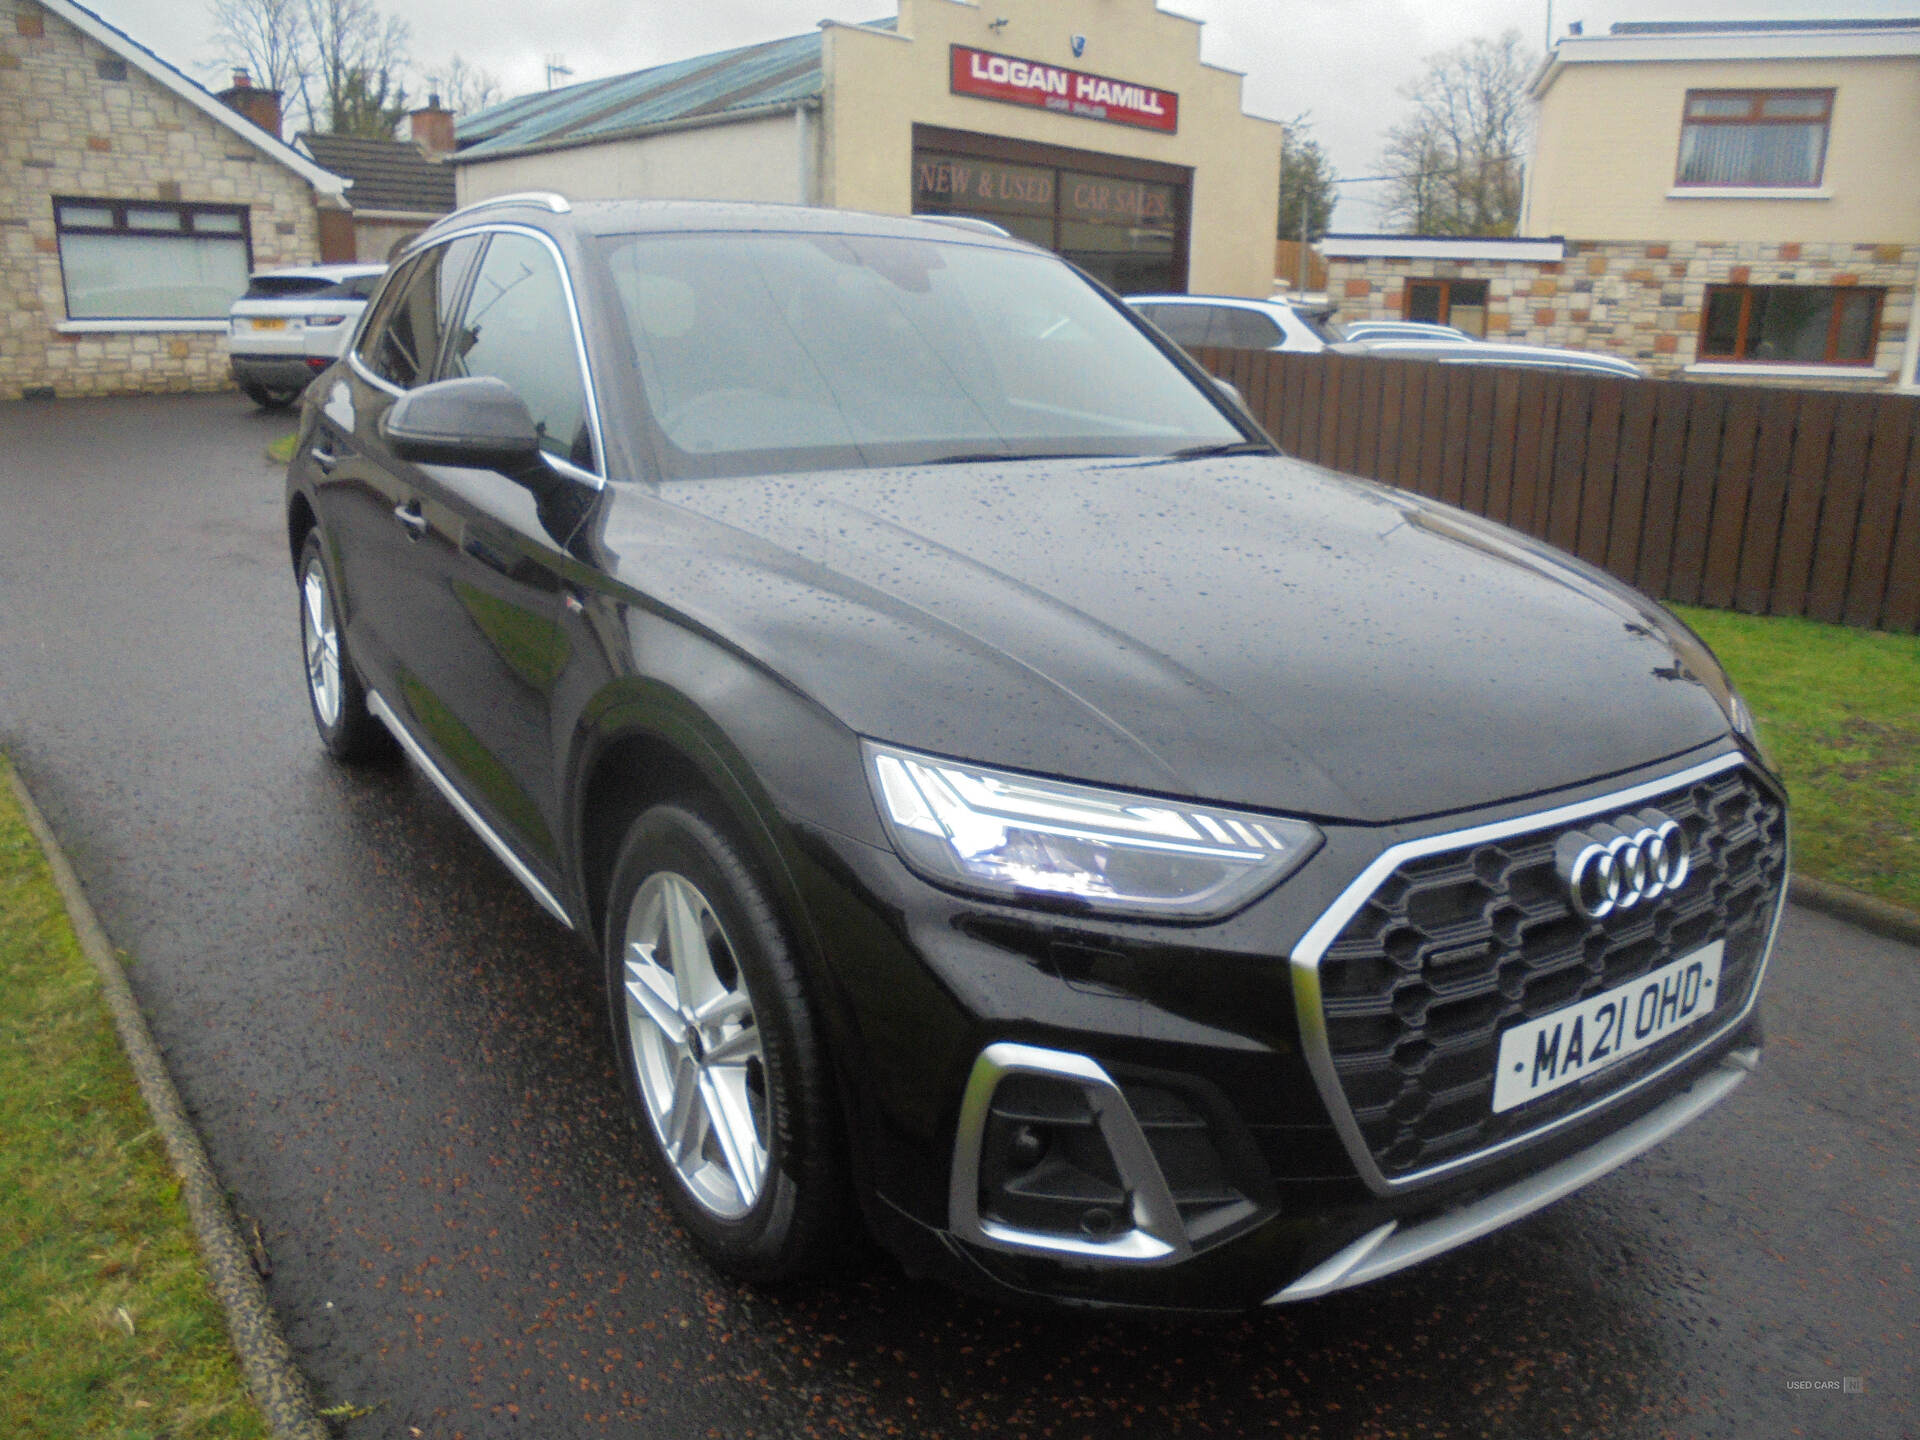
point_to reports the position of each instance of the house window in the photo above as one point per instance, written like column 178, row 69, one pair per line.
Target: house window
column 1791, row 324
column 1754, row 137
column 151, row 260
column 1459, row 303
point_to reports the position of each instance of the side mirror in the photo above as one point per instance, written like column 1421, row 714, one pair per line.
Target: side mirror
column 476, row 420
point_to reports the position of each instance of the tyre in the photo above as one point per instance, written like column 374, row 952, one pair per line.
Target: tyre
column 339, row 701
column 270, row 399
column 720, row 1052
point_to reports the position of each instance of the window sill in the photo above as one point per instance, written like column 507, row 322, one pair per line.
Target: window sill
column 1749, row 192
column 1787, row 372
column 109, row 327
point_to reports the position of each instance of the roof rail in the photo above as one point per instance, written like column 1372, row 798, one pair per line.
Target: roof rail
column 549, row 199
column 969, row 222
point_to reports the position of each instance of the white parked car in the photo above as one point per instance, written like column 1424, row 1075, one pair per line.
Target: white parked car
column 1232, row 323
column 292, row 324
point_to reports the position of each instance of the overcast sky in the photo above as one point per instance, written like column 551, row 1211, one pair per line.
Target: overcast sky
column 1343, row 62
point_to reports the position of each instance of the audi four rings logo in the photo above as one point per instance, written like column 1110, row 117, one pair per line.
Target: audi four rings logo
column 1614, row 867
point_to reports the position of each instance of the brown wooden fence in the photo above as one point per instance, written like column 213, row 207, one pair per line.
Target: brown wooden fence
column 1776, row 502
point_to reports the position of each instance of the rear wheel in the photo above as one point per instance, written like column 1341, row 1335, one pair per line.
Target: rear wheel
column 269, row 399
column 720, row 1052
column 347, row 728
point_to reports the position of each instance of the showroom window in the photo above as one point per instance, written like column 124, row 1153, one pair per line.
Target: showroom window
column 1760, row 138
column 1791, row 324
column 1123, row 221
column 151, row 260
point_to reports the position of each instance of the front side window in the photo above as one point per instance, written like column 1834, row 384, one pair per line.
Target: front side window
column 778, row 352
column 518, row 327
column 1762, row 138
column 1791, row 324
column 403, row 339
column 151, row 260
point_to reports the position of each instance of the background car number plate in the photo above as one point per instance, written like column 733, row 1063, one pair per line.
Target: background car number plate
column 270, row 324
column 1543, row 1055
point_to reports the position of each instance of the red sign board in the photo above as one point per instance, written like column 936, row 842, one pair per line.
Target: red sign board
column 1070, row 92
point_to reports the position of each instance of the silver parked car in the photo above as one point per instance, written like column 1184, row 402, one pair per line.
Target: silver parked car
column 1487, row 352
column 1397, row 330
column 1235, row 323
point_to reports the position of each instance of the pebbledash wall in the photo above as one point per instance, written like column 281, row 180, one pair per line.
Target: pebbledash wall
column 1636, row 298
column 69, row 127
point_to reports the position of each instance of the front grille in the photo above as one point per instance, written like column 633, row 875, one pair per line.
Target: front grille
column 1454, row 948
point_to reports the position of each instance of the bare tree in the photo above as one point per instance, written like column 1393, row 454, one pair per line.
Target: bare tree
column 266, row 38
column 359, row 61
column 464, row 89
column 1457, row 161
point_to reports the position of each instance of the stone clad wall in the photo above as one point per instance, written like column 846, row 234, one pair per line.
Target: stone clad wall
column 1641, row 299
column 66, row 130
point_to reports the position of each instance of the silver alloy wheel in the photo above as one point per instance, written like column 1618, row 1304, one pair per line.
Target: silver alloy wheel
column 696, row 1045
column 322, row 642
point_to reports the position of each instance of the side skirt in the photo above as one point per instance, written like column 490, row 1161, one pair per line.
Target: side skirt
column 486, row 832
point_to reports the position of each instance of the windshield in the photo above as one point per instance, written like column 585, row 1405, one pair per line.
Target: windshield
column 768, row 352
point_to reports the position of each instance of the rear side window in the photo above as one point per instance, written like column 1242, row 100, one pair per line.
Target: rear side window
column 403, row 341
column 518, row 328
column 1184, row 324
column 1247, row 330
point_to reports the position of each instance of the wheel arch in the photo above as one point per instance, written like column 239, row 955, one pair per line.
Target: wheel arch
column 301, row 521
column 648, row 742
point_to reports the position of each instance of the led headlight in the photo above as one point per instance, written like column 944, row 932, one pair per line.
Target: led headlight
column 1015, row 836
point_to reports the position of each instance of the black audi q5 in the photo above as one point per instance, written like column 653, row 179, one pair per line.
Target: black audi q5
column 1017, row 808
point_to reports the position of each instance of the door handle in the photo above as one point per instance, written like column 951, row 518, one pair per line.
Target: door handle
column 324, row 458
column 409, row 516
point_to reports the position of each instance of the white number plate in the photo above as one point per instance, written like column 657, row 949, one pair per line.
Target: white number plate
column 1543, row 1055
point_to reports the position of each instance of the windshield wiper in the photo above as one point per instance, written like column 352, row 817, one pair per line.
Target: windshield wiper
column 976, row 457
column 1237, row 447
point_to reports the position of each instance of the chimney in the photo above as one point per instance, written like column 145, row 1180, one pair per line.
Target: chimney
column 262, row 107
column 431, row 128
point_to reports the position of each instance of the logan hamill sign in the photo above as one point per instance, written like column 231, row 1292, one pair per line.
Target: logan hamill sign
column 1070, row 92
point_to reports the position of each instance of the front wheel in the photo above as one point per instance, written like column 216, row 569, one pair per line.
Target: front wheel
column 339, row 701
column 719, row 1051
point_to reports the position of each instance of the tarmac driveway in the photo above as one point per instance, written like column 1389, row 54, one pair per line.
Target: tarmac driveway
column 399, row 1066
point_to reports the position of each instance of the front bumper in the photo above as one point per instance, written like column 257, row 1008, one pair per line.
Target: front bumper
column 1143, row 1116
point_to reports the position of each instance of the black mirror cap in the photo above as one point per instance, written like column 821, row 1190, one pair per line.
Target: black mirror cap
column 476, row 420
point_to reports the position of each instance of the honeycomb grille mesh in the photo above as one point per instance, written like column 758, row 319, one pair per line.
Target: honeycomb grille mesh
column 1454, row 948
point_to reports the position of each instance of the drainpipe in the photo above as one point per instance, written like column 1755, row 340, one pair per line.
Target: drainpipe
column 1907, row 379
column 806, row 135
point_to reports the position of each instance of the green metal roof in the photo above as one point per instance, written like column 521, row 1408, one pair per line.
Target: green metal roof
column 775, row 72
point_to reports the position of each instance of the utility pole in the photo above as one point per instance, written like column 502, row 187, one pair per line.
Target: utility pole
column 1306, row 214
column 556, row 65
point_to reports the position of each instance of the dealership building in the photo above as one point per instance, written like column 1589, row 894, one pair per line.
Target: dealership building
column 1091, row 127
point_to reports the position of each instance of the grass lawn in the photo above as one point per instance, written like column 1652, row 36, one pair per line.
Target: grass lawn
column 107, row 1327
column 1839, row 710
